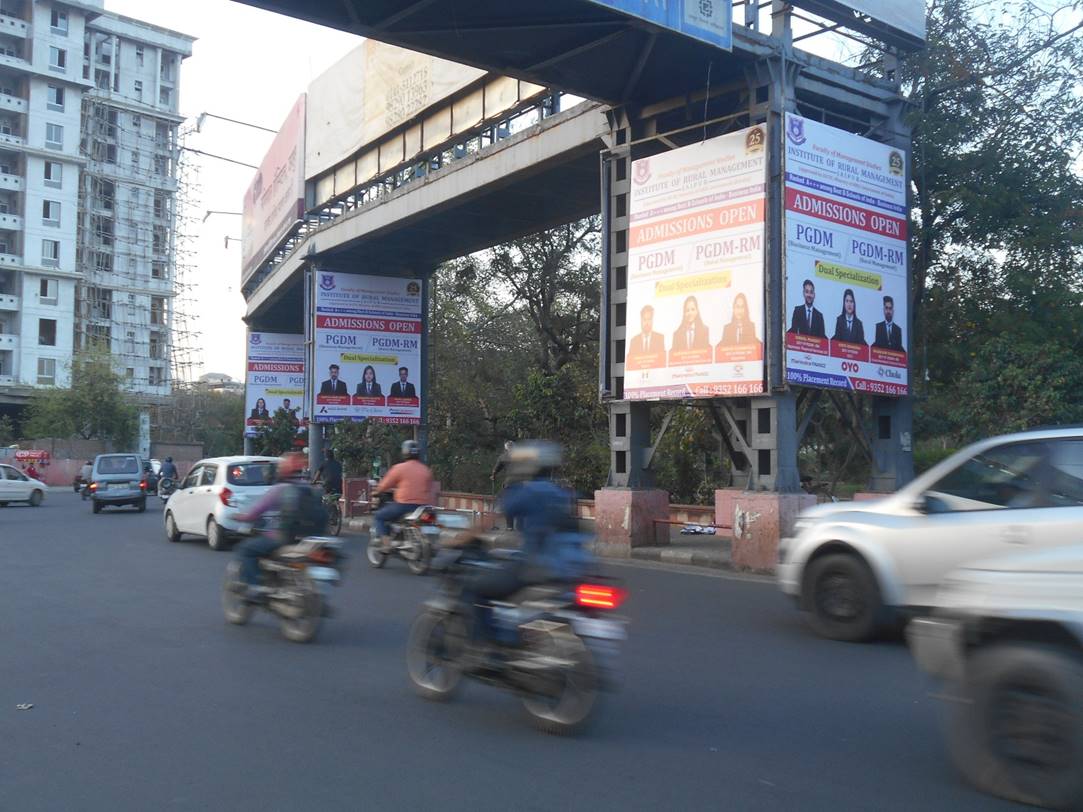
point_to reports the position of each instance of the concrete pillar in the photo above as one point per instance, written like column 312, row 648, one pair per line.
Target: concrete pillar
column 758, row 520
column 892, row 446
column 315, row 445
column 625, row 518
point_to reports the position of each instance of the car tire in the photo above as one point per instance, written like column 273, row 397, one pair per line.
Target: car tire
column 216, row 536
column 842, row 598
column 172, row 534
column 96, row 507
column 36, row 497
column 1035, row 692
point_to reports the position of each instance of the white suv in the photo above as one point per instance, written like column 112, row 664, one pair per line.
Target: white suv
column 207, row 501
column 1007, row 639
column 855, row 566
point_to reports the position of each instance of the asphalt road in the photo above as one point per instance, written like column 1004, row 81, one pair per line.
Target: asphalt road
column 145, row 698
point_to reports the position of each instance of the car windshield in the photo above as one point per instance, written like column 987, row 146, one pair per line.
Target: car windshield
column 118, row 465
column 251, row 473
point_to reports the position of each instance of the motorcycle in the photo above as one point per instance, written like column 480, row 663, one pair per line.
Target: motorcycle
column 555, row 645
column 414, row 538
column 298, row 578
column 166, row 486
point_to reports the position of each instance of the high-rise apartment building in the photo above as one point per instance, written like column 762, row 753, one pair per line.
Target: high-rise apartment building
column 88, row 183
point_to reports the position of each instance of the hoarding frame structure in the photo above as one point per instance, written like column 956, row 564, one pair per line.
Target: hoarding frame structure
column 679, row 16
column 901, row 25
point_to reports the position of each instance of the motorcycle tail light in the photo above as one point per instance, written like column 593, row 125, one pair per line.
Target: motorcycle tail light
column 322, row 556
column 428, row 518
column 225, row 496
column 596, row 596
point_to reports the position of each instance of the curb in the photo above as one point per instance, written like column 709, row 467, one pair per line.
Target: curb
column 693, row 558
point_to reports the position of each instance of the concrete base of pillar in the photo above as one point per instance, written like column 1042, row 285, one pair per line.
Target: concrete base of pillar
column 625, row 518
column 759, row 519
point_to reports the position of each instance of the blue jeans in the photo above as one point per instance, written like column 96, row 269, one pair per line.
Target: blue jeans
column 389, row 513
column 250, row 551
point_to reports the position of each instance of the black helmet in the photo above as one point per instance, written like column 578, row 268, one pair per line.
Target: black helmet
column 534, row 459
column 411, row 450
column 169, row 459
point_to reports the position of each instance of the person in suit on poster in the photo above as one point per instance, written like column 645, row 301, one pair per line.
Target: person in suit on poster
column 402, row 388
column 369, row 386
column 741, row 329
column 888, row 333
column 647, row 342
column 692, row 334
column 848, row 326
column 260, row 411
column 807, row 320
column 333, row 386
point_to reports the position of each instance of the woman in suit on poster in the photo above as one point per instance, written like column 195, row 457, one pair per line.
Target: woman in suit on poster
column 368, row 388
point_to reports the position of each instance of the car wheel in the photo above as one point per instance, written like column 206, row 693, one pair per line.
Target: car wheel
column 216, row 536
column 842, row 598
column 171, row 532
column 96, row 507
column 1018, row 734
column 36, row 497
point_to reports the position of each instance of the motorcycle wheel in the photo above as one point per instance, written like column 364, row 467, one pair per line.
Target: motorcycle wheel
column 568, row 707
column 419, row 557
column 375, row 553
column 238, row 610
column 303, row 629
column 433, row 654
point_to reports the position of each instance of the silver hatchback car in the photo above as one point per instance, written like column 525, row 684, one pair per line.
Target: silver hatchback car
column 117, row 480
column 855, row 567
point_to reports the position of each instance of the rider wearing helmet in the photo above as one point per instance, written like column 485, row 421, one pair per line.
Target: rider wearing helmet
column 275, row 501
column 168, row 469
column 412, row 482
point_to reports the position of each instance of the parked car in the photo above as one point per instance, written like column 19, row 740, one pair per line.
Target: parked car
column 215, row 491
column 15, row 486
column 1007, row 639
column 118, row 480
column 854, row 567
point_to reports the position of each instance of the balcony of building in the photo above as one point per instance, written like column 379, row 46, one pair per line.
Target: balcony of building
column 13, row 26
column 9, row 292
column 11, row 101
column 9, row 342
column 10, row 257
column 9, row 302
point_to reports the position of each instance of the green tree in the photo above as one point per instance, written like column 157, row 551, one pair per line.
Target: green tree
column 96, row 407
column 7, row 430
column 276, row 438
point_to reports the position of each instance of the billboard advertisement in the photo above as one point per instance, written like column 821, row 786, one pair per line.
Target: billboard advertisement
column 371, row 90
column 696, row 244
column 368, row 335
column 906, row 19
column 275, row 380
column 846, row 260
column 275, row 199
column 710, row 22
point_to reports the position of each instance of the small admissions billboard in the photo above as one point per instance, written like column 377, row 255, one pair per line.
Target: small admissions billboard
column 275, row 380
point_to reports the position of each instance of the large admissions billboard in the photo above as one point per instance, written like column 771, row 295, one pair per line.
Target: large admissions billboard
column 695, row 270
column 368, row 334
column 846, row 260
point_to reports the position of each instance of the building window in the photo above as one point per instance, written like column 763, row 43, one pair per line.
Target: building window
column 129, row 342
column 47, row 332
column 54, row 136
column 101, row 78
column 50, row 213
column 161, row 165
column 58, row 59
column 100, row 336
column 137, row 121
column 156, row 346
column 46, row 371
column 54, row 174
column 59, row 22
column 48, row 291
column 157, row 376
column 157, row 310
column 165, row 96
column 139, row 55
column 105, row 192
column 157, row 270
column 56, row 98
column 129, row 373
column 104, row 228
column 135, row 159
column 50, row 257
column 101, row 303
column 138, row 90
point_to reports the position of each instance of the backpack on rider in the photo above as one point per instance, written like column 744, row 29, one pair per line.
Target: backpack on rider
column 303, row 513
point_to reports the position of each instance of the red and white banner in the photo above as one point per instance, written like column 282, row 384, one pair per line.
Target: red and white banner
column 368, row 348
column 846, row 260
column 695, row 270
column 275, row 380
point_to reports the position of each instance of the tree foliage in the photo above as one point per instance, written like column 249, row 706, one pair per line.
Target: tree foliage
column 96, row 407
column 276, row 438
column 208, row 418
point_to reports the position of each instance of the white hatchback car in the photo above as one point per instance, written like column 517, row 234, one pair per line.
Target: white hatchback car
column 15, row 486
column 208, row 500
column 857, row 566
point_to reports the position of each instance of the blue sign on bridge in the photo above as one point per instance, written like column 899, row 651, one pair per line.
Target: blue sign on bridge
column 707, row 20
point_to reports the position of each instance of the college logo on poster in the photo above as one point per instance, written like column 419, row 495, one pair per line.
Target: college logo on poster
column 413, row 288
column 255, row 338
column 755, row 141
column 895, row 163
column 795, row 129
column 642, row 172
column 327, row 281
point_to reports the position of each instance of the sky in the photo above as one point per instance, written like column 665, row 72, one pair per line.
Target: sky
column 248, row 65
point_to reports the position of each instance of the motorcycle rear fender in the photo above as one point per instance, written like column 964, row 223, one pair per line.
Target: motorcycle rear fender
column 441, row 603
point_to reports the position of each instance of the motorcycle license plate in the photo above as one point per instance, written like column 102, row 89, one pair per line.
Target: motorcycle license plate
column 323, row 573
column 596, row 627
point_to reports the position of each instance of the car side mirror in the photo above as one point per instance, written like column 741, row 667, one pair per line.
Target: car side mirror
column 923, row 504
